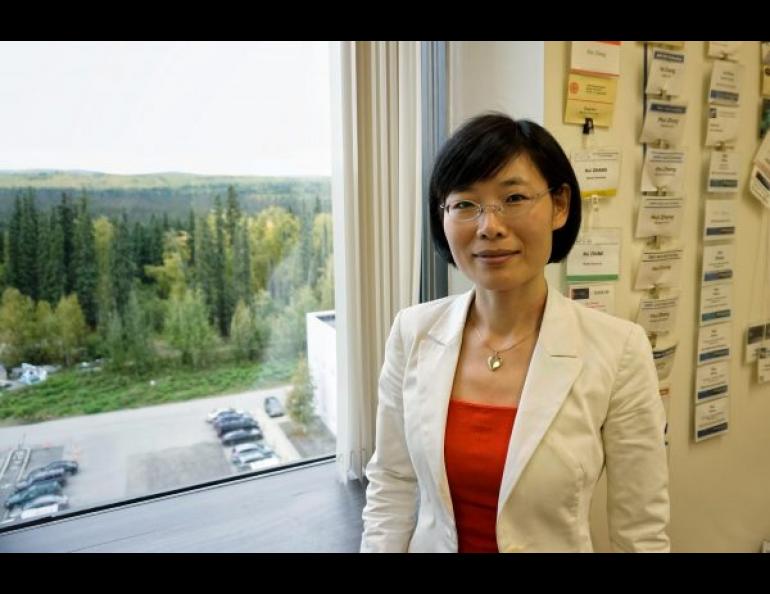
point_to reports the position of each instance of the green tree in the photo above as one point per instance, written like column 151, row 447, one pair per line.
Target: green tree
column 299, row 402
column 66, row 213
column 222, row 288
column 85, row 264
column 103, row 234
column 248, row 333
column 17, row 327
column 45, row 333
column 171, row 277
column 242, row 282
column 188, row 330
column 137, row 336
column 53, row 274
column 121, row 266
column 325, row 288
column 70, row 329
column 232, row 215
column 24, row 245
column 273, row 235
column 288, row 337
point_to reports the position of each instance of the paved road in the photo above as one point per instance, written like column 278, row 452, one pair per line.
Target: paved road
column 132, row 452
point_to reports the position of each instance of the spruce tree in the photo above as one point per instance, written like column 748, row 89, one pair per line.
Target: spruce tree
column 122, row 265
column 53, row 273
column 85, row 264
column 67, row 224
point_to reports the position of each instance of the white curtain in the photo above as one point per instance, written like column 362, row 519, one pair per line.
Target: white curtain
column 377, row 189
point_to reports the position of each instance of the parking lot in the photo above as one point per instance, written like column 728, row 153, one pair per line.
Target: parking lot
column 130, row 453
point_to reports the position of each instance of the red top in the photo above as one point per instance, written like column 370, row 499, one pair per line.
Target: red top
column 475, row 447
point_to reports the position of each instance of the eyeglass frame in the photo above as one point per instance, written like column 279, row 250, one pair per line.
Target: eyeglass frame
column 497, row 207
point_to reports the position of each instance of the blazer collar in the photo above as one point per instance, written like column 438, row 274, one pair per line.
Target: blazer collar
column 556, row 336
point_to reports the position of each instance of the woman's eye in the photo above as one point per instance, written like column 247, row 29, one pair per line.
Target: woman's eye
column 515, row 199
column 462, row 205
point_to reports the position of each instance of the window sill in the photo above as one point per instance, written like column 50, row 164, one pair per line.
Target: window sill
column 304, row 509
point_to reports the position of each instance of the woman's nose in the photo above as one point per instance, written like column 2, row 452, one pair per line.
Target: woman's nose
column 490, row 221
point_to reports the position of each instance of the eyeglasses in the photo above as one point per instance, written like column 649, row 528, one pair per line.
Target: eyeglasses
column 512, row 207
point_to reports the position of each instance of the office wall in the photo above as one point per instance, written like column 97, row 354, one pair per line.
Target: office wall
column 720, row 488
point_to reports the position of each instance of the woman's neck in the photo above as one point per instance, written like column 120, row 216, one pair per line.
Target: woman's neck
column 509, row 314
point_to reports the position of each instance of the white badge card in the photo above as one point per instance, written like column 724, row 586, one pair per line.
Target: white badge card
column 757, row 338
column 711, row 418
column 723, row 171
column 712, row 381
column 596, row 296
column 763, row 366
column 714, row 343
column 659, row 268
column 725, row 85
column 659, row 216
column 597, row 170
column 722, row 125
column 664, row 360
column 666, row 75
column 664, row 121
column 716, row 304
column 595, row 257
column 720, row 219
column 658, row 316
column 663, row 170
column 759, row 185
column 723, row 49
column 717, row 263
column 596, row 57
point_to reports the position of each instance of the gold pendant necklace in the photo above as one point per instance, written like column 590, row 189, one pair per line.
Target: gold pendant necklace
column 495, row 361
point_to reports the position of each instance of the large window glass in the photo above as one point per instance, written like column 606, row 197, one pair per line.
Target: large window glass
column 166, row 280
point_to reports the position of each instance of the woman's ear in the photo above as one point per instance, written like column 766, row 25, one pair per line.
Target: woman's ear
column 560, row 198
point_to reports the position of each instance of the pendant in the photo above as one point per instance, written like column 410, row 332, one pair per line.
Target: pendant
column 494, row 362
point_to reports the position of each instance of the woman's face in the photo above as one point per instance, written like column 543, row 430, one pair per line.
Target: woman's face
column 501, row 253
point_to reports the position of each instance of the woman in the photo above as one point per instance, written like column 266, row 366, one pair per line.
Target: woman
column 499, row 408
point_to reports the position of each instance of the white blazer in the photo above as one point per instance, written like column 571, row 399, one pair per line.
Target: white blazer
column 590, row 399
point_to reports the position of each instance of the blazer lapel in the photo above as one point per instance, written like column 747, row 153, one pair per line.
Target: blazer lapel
column 554, row 367
column 438, row 353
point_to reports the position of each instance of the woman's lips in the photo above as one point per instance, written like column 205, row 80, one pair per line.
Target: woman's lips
column 496, row 258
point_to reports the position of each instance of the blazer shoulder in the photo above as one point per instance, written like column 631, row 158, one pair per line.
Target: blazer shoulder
column 418, row 319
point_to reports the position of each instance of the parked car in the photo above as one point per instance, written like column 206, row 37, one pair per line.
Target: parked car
column 230, row 418
column 39, row 475
column 241, row 436
column 253, row 445
column 220, row 411
column 45, row 500
column 32, row 492
column 70, row 466
column 273, row 407
column 229, row 426
column 247, row 458
column 248, row 448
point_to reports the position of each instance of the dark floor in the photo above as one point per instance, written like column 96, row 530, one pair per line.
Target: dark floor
column 300, row 510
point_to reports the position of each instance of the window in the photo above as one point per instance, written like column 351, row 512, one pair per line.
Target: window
column 167, row 310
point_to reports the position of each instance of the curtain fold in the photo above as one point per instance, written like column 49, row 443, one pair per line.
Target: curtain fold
column 377, row 188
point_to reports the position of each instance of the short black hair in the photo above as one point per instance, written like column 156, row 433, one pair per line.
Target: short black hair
column 479, row 149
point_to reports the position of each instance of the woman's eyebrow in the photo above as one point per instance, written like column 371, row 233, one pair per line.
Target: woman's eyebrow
column 513, row 181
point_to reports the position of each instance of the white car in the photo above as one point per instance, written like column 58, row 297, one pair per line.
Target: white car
column 251, row 446
column 218, row 411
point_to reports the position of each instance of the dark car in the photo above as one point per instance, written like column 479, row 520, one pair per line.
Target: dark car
column 229, row 426
column 39, row 475
column 32, row 492
column 70, row 466
column 230, row 418
column 241, row 436
column 273, row 407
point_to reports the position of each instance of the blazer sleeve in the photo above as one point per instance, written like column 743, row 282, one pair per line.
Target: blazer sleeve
column 634, row 445
column 390, row 513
